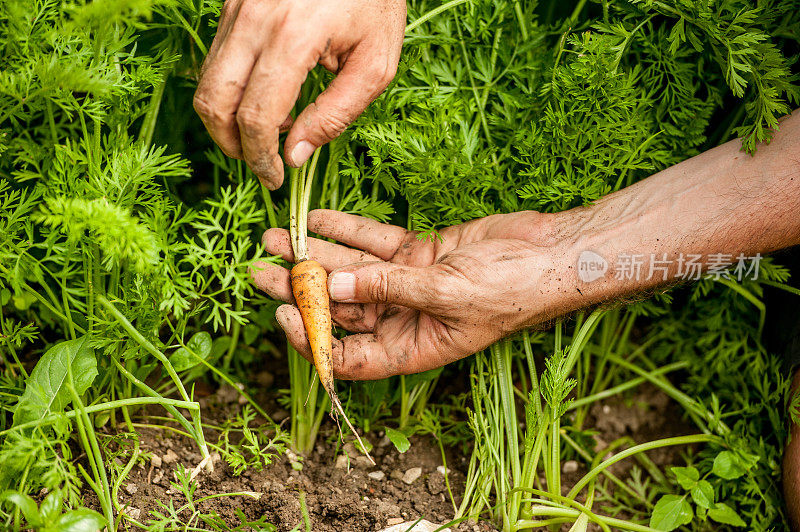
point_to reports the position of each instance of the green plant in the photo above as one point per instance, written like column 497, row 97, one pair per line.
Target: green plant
column 48, row 516
column 126, row 241
column 190, row 515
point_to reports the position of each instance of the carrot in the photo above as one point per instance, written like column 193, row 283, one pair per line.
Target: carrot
column 310, row 289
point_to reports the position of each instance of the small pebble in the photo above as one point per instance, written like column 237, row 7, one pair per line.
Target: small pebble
column 279, row 415
column 411, row 475
column 170, row 457
column 155, row 460
column 394, row 521
column 131, row 488
column 132, row 512
column 414, row 526
column 376, row 475
column 363, row 462
column 396, row 474
column 384, row 441
column 570, row 466
column 350, row 449
column 441, row 470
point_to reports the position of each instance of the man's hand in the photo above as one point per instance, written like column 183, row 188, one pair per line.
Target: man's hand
column 418, row 304
column 260, row 57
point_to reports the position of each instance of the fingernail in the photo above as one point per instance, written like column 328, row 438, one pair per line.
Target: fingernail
column 342, row 286
column 301, row 152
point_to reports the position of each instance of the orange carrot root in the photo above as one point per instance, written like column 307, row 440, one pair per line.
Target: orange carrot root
column 310, row 289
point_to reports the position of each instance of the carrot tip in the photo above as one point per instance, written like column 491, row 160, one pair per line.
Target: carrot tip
column 336, row 410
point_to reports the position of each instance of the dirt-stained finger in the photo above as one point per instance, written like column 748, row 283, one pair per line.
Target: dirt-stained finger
column 223, row 81
column 331, row 256
column 354, row 317
column 290, row 320
column 269, row 97
column 272, row 279
column 379, row 239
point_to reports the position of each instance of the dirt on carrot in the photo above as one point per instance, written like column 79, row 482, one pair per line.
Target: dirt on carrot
column 310, row 289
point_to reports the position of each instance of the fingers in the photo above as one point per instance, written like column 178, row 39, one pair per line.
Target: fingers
column 222, row 84
column 275, row 281
column 290, row 320
column 270, row 94
column 331, row 256
column 387, row 283
column 381, row 240
column 354, row 317
column 364, row 75
column 272, row 279
column 357, row 357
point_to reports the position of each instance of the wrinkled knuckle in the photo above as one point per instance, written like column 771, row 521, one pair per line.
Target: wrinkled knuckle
column 250, row 121
column 205, row 108
column 382, row 74
column 441, row 288
column 378, row 287
column 332, row 125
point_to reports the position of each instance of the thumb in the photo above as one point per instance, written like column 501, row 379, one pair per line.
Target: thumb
column 362, row 78
column 386, row 283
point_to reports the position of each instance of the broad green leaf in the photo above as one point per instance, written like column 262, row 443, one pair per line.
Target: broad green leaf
column 687, row 476
column 251, row 332
column 51, row 506
column 722, row 513
column 80, row 520
column 46, row 388
column 219, row 346
column 399, row 439
column 198, row 347
column 26, row 505
column 703, row 494
column 671, row 511
column 24, row 301
column 727, row 466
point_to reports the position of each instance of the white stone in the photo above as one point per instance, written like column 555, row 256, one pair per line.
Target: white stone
column 376, row 475
column 411, row 475
column 570, row 466
column 421, row 526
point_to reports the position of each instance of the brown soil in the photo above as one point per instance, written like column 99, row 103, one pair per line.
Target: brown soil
column 340, row 496
column 337, row 498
